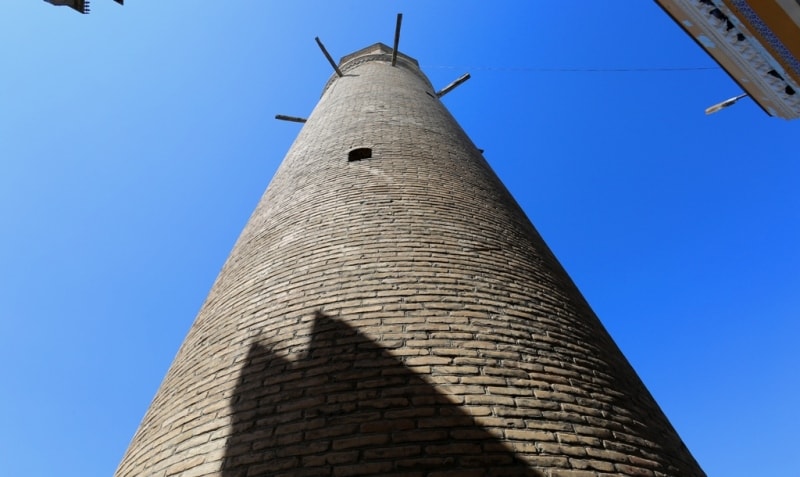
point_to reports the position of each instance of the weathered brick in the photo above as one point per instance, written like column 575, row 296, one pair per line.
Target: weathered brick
column 334, row 458
column 427, row 360
column 529, row 435
column 185, row 465
column 360, row 441
column 392, row 452
column 572, row 473
column 634, row 471
column 599, row 465
column 489, row 399
column 367, row 468
column 420, row 435
column 453, row 449
column 385, row 425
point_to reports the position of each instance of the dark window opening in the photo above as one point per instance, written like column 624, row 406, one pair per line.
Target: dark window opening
column 775, row 74
column 789, row 90
column 360, row 153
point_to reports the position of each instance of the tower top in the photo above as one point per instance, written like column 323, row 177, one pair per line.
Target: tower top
column 379, row 49
column 377, row 52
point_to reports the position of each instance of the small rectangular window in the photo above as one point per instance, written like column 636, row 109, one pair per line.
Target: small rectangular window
column 358, row 154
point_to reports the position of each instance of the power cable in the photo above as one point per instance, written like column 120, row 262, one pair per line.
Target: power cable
column 525, row 69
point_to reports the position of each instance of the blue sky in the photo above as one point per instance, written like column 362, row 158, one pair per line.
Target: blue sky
column 136, row 141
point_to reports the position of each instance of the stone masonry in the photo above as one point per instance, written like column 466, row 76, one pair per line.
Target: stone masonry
column 397, row 315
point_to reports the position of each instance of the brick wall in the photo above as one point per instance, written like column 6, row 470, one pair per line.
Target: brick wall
column 397, row 315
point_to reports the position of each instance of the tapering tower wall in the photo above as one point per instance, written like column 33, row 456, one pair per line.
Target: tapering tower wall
column 397, row 315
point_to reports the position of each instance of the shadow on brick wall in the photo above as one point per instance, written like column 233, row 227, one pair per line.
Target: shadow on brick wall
column 347, row 407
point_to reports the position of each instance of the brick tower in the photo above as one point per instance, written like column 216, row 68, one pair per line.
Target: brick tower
column 390, row 310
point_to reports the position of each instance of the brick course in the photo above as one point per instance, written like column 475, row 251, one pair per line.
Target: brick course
column 397, row 315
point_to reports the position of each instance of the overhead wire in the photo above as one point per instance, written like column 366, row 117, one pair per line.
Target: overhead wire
column 526, row 69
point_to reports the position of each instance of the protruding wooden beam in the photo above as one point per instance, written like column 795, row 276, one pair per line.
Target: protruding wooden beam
column 293, row 119
column 396, row 38
column 452, row 85
column 328, row 56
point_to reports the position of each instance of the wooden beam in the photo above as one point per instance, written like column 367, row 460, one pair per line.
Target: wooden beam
column 293, row 119
column 328, row 56
column 396, row 38
column 452, row 85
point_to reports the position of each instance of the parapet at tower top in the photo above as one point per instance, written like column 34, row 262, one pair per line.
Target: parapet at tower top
column 376, row 49
column 380, row 51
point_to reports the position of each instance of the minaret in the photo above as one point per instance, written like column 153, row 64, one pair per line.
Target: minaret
column 390, row 310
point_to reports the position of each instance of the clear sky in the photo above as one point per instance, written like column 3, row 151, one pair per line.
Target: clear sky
column 136, row 141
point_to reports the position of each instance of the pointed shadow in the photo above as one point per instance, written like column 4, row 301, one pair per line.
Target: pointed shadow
column 348, row 407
